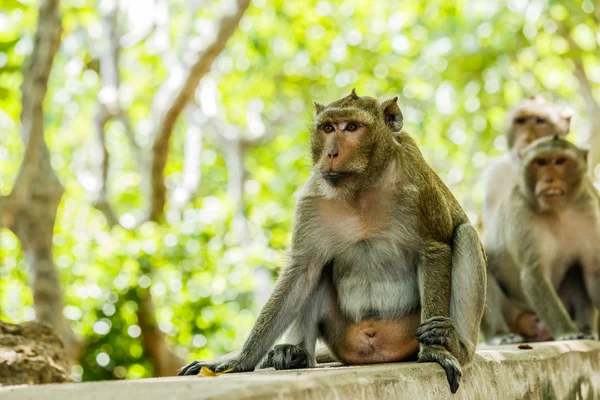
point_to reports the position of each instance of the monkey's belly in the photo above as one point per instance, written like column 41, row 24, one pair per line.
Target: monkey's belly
column 379, row 341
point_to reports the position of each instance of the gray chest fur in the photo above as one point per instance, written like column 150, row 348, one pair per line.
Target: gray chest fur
column 375, row 280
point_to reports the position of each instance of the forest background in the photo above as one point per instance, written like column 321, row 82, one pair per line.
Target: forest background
column 150, row 149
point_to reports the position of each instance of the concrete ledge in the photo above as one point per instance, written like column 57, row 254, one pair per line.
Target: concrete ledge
column 554, row 370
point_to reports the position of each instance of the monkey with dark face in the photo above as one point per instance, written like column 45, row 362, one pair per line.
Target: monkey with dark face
column 551, row 224
column 384, row 264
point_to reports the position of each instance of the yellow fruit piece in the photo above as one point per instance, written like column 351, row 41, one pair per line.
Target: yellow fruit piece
column 205, row 371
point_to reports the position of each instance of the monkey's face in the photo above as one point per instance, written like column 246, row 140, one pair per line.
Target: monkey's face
column 528, row 127
column 536, row 118
column 352, row 137
column 554, row 171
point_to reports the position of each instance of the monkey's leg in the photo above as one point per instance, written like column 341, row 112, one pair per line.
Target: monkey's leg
column 292, row 291
column 578, row 303
column 493, row 324
column 545, row 301
column 299, row 352
column 437, row 329
column 591, row 278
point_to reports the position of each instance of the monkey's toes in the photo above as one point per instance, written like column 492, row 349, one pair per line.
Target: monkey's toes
column 446, row 360
column 193, row 368
column 509, row 338
column 576, row 336
column 288, row 356
column 436, row 331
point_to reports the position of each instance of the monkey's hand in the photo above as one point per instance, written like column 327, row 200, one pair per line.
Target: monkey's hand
column 439, row 331
column 287, row 356
column 443, row 357
column 231, row 364
column 576, row 336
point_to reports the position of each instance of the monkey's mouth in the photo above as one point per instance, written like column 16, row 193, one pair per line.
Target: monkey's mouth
column 334, row 177
column 553, row 192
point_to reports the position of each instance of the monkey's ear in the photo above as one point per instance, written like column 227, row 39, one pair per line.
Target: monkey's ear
column 392, row 115
column 318, row 107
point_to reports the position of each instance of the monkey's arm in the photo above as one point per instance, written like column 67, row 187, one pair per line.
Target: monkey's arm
column 296, row 283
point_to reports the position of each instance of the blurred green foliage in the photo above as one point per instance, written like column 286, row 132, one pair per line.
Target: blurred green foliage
column 456, row 65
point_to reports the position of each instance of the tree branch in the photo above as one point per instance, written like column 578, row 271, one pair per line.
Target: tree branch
column 178, row 91
column 591, row 105
column 34, row 88
column 162, row 36
column 192, row 164
column 109, row 108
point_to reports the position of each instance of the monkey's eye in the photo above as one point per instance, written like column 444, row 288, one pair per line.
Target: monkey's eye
column 520, row 120
column 560, row 161
column 351, row 127
column 328, row 128
column 540, row 120
column 540, row 162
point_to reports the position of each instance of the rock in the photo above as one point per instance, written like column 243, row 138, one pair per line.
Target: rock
column 31, row 353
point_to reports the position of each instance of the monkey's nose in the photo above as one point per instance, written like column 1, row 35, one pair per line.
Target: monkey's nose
column 333, row 155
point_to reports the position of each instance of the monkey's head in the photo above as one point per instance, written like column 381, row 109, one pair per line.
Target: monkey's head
column 553, row 170
column 351, row 140
column 535, row 118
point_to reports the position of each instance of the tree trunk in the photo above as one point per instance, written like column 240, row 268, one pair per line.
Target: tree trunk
column 37, row 191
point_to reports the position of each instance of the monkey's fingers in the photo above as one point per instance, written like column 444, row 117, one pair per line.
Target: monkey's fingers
column 436, row 331
column 191, row 369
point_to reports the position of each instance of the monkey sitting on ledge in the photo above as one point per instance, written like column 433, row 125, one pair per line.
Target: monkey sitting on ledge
column 383, row 263
column 548, row 228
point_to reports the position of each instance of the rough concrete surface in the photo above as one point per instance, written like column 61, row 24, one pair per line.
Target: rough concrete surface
column 557, row 370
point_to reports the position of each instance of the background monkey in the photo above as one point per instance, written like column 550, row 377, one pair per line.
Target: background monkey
column 531, row 119
column 551, row 224
column 382, row 257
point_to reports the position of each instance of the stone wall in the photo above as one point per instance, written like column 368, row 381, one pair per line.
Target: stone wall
column 557, row 370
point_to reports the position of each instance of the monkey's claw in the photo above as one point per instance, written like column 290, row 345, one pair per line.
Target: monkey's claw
column 194, row 367
column 287, row 356
column 443, row 357
column 437, row 331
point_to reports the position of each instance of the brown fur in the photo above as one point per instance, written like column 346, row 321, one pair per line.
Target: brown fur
column 551, row 222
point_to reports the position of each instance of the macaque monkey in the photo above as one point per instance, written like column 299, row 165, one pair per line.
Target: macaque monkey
column 383, row 263
column 546, row 244
column 533, row 118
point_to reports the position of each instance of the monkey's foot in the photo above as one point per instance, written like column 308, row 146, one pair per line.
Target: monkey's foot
column 438, row 331
column 509, row 338
column 576, row 336
column 443, row 357
column 194, row 367
column 287, row 356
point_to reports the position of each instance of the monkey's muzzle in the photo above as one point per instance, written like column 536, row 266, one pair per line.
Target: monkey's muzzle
column 334, row 177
